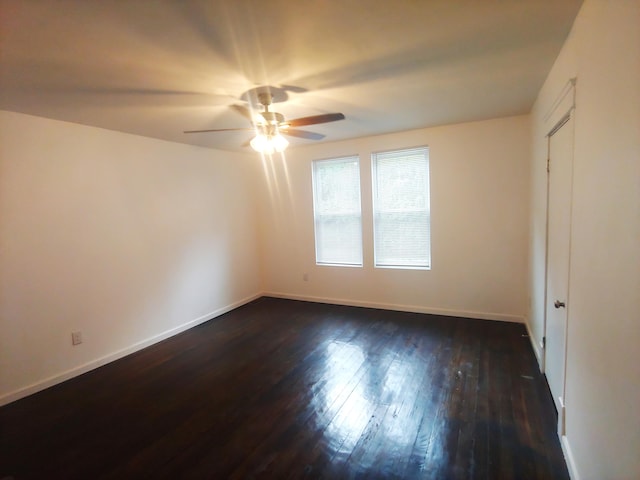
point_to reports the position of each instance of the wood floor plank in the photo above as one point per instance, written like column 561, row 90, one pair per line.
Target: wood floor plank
column 392, row 427
column 289, row 389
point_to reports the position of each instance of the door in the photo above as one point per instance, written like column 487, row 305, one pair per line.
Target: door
column 560, row 174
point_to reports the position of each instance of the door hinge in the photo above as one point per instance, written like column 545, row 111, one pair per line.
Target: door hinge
column 544, row 342
column 548, row 162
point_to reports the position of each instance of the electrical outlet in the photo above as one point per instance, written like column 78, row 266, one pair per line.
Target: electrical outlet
column 76, row 338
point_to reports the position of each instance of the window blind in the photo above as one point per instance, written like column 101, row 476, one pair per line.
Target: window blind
column 337, row 211
column 402, row 224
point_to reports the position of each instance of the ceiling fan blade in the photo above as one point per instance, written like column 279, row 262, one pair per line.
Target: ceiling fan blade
column 242, row 110
column 315, row 119
column 220, row 130
column 302, row 134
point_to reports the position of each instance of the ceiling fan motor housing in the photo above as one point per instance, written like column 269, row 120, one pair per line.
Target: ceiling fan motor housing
column 265, row 98
column 273, row 118
column 272, row 124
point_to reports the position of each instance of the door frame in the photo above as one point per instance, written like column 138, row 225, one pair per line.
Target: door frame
column 564, row 119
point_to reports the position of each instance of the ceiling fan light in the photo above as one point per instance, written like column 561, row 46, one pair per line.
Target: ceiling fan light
column 267, row 144
column 268, row 149
column 260, row 143
column 279, row 143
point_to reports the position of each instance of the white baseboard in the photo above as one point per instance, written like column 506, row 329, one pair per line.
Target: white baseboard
column 537, row 350
column 402, row 308
column 93, row 364
column 568, row 456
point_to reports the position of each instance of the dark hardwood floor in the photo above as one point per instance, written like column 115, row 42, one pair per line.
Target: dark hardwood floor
column 287, row 389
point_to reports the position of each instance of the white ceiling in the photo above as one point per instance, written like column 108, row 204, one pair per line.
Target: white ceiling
column 158, row 67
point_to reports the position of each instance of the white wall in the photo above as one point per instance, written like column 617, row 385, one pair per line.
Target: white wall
column 479, row 205
column 603, row 364
column 124, row 238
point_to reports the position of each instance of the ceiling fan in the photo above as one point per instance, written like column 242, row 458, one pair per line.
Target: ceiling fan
column 270, row 126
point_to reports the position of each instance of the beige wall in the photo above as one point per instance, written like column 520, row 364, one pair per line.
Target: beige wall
column 603, row 364
column 130, row 239
column 479, row 203
column 125, row 238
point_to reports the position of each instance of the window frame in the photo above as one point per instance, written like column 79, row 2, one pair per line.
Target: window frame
column 341, row 159
column 375, row 212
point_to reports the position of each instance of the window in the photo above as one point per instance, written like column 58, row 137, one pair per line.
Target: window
column 336, row 211
column 401, row 223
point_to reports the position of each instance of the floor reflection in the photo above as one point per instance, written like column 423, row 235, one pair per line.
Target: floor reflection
column 363, row 398
column 344, row 401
